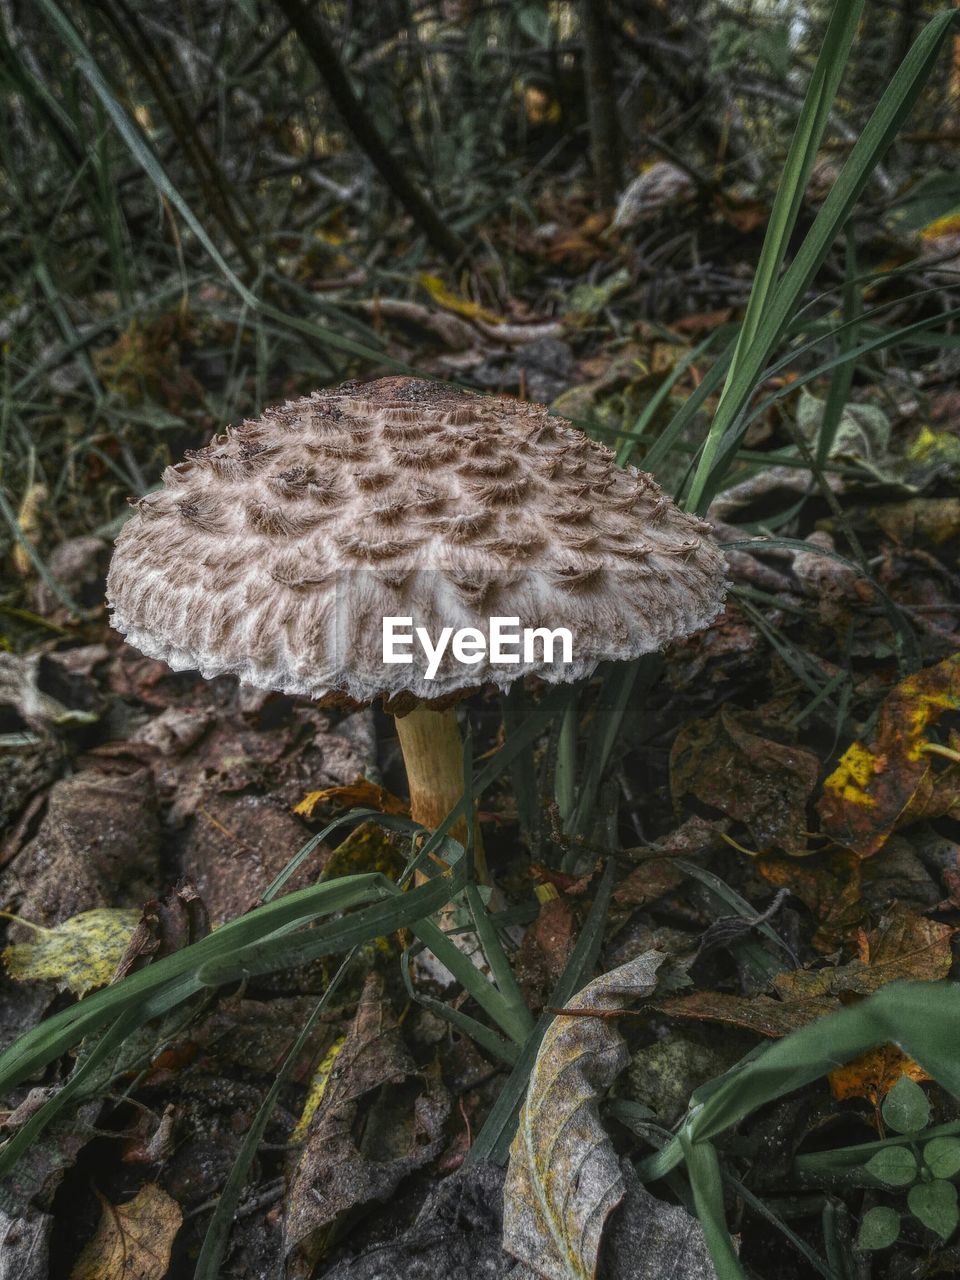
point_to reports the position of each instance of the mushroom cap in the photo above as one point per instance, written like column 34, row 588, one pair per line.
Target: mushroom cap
column 276, row 552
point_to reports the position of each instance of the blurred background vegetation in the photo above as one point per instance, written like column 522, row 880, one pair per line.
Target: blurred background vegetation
column 209, row 206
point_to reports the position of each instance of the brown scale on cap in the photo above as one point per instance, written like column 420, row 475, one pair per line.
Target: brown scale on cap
column 273, row 552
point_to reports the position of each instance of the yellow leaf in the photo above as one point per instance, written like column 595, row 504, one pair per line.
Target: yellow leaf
column 80, row 954
column 874, row 1074
column 28, row 518
column 946, row 226
column 317, row 1089
column 358, row 795
column 870, row 792
column 451, row 301
column 133, row 1241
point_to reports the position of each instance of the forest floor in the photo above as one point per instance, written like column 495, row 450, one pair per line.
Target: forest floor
column 787, row 785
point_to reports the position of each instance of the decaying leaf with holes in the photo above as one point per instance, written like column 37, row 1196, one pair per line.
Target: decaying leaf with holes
column 133, row 1241
column 873, row 789
column 376, row 1120
column 564, row 1179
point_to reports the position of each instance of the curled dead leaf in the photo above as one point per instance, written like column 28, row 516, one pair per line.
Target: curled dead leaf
column 357, row 795
column 564, row 1178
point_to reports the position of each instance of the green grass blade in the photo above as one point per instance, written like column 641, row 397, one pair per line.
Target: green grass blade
column 842, row 380
column 521, row 1021
column 178, row 972
column 505, row 1050
column 218, row 1232
column 706, row 1183
column 565, row 769
column 879, row 132
column 636, row 432
column 134, row 140
column 283, row 950
column 493, row 1141
column 811, row 124
column 612, row 703
column 665, row 443
column 922, row 1018
column 523, row 772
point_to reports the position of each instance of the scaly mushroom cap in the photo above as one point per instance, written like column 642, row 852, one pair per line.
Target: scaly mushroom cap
column 276, row 552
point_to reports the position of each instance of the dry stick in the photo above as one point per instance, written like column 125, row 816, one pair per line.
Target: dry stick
column 601, row 100
column 317, row 44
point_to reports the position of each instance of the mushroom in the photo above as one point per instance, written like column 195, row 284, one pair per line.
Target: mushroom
column 282, row 551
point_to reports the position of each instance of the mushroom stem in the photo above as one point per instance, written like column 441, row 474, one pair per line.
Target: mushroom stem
column 433, row 754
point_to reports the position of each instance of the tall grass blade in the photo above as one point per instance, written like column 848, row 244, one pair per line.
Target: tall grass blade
column 811, row 124
column 879, row 132
column 493, row 1141
column 842, row 380
column 134, row 140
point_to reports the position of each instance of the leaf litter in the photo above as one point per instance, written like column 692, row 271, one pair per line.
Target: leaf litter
column 807, row 749
column 565, row 1179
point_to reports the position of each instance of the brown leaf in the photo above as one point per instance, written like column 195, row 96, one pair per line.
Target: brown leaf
column 98, row 845
column 763, row 1015
column 546, row 947
column 564, row 1178
column 235, row 846
column 133, row 1241
column 379, row 1119
column 828, row 885
column 872, row 790
column 702, row 321
column 904, row 945
column 761, row 783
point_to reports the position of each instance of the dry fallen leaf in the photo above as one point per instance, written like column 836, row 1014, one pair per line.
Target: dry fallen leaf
column 451, row 301
column 759, row 782
column 870, row 793
column 904, row 945
column 378, row 1120
column 760, row 1014
column 829, row 885
column 357, row 795
column 80, row 954
column 873, row 1074
column 564, row 1178
column 28, row 522
column 133, row 1240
